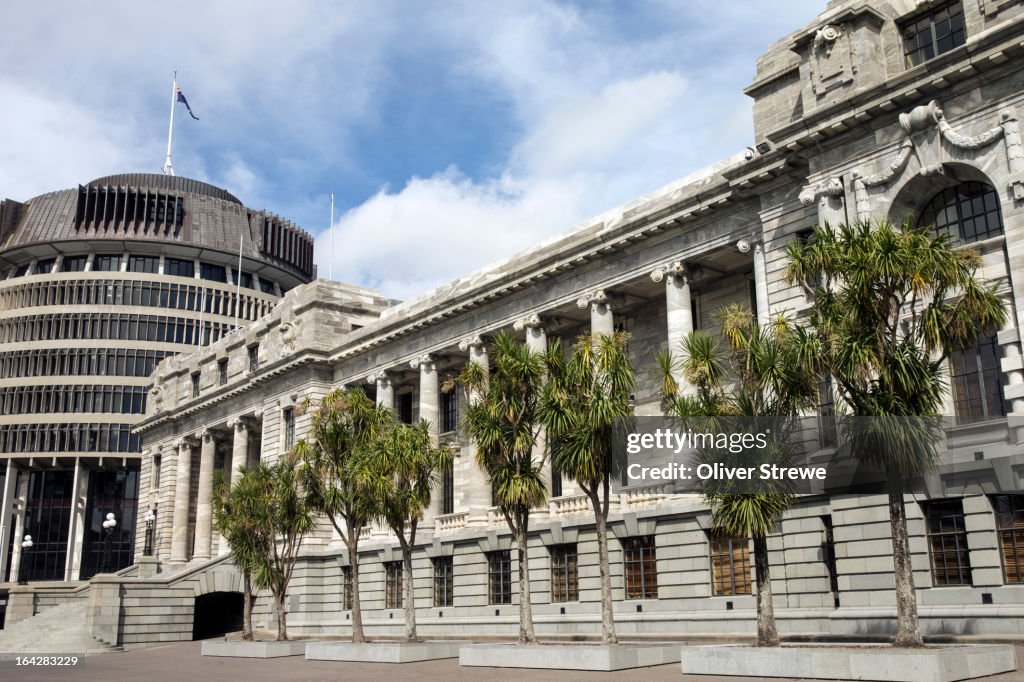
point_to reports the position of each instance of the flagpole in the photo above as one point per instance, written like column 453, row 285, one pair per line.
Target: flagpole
column 331, row 228
column 168, row 168
column 238, row 280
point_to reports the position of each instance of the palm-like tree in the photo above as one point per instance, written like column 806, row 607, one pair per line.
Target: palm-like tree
column 773, row 382
column 584, row 398
column 504, row 423
column 890, row 303
column 236, row 515
column 401, row 468
column 281, row 512
column 344, row 426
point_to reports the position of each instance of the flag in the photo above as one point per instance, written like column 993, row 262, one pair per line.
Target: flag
column 181, row 98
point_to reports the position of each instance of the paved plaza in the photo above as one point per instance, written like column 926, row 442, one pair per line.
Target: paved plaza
column 184, row 662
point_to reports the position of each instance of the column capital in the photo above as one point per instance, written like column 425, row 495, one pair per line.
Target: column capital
column 673, row 270
column 187, row 441
column 531, row 321
column 474, row 341
column 597, row 297
column 381, row 377
column 424, row 363
column 243, row 422
column 209, row 435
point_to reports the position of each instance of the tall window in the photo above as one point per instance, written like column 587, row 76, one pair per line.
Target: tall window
column 977, row 381
column 444, row 585
column 117, row 492
column 828, row 553
column 1010, row 525
column 556, row 481
column 641, row 566
column 565, row 585
column 222, row 371
column 969, row 212
column 448, row 489
column 346, row 588
column 730, row 564
column 393, row 585
column 288, row 426
column 254, row 357
column 47, row 519
column 195, row 385
column 405, row 408
column 449, row 412
column 935, row 32
column 826, row 413
column 499, row 577
column 947, row 542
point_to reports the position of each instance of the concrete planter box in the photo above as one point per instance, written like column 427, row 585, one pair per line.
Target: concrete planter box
column 568, row 656
column 852, row 662
column 381, row 652
column 238, row 649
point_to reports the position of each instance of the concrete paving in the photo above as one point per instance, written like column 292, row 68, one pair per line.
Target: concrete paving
column 183, row 661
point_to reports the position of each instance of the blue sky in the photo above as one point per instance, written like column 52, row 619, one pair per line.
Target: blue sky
column 452, row 133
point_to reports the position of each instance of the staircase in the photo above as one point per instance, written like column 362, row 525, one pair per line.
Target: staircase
column 57, row 630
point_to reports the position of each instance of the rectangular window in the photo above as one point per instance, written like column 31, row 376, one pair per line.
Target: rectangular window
column 499, row 577
column 246, row 278
column 150, row 264
column 346, row 588
column 565, row 584
column 935, row 32
column 44, row 267
column 827, row 437
column 1010, row 526
column 266, row 286
column 393, row 584
column 641, row 567
column 195, row 385
column 448, row 490
column 444, row 572
column 405, row 408
column 977, row 380
column 214, row 273
column 254, row 357
column 730, row 564
column 106, row 263
column 288, row 426
column 947, row 542
column 177, row 267
column 73, row 263
column 449, row 412
column 222, row 371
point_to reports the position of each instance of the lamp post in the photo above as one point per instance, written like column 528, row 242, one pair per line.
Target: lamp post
column 108, row 531
column 26, row 545
column 150, row 521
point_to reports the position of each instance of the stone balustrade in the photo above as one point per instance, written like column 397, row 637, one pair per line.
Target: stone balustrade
column 569, row 505
column 450, row 522
column 645, row 496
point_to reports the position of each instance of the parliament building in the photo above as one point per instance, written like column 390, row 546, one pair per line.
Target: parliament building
column 119, row 320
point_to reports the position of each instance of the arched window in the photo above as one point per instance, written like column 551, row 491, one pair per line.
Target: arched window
column 968, row 211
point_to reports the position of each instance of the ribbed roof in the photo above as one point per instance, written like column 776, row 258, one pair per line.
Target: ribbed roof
column 171, row 182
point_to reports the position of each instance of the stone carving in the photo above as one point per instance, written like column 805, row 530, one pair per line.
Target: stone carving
column 831, row 61
column 380, row 377
column 828, row 33
column 1014, row 153
column 471, row 342
column 156, row 398
column 598, row 297
column 829, row 187
column 186, row 442
column 531, row 321
column 424, row 362
column 673, row 270
column 290, row 333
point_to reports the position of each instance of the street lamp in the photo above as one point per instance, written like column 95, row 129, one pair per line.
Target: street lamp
column 26, row 545
column 108, row 531
column 150, row 520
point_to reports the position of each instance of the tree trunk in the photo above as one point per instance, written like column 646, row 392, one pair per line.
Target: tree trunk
column 608, row 635
column 767, row 633
column 353, row 562
column 526, row 632
column 407, row 594
column 246, row 607
column 282, row 626
column 908, row 631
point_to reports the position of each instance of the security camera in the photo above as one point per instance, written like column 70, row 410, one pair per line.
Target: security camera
column 743, row 246
column 749, row 153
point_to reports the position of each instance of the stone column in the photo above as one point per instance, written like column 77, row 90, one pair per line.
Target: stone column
column 204, row 498
column 76, row 533
column 163, row 527
column 239, row 462
column 473, row 486
column 601, row 318
column 537, row 342
column 430, row 413
column 385, row 390
column 7, row 513
column 678, row 313
column 761, row 285
column 182, row 501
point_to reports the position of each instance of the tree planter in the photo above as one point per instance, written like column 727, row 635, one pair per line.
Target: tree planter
column 852, row 662
column 239, row 649
column 568, row 656
column 381, row 652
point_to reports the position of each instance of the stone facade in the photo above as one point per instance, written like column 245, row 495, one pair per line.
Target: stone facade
column 846, row 130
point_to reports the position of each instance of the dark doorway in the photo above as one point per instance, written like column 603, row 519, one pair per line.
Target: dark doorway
column 217, row 613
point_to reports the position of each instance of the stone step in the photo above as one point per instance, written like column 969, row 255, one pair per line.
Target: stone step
column 59, row 629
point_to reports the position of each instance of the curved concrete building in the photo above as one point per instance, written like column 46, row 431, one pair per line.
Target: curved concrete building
column 97, row 285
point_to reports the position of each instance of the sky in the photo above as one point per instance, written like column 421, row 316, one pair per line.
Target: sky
column 452, row 134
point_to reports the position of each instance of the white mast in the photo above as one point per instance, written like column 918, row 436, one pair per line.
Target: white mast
column 168, row 168
column 330, row 267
